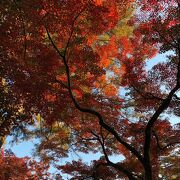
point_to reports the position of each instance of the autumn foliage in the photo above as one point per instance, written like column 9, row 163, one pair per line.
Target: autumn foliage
column 12, row 167
column 74, row 76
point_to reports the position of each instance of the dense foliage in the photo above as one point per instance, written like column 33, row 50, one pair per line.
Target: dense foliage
column 73, row 74
column 16, row 168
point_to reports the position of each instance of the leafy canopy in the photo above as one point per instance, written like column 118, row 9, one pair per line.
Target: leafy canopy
column 73, row 74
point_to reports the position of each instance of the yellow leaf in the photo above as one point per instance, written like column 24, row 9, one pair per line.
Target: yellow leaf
column 3, row 140
column 38, row 118
column 104, row 37
column 85, row 89
column 21, row 109
column 3, row 82
column 123, row 30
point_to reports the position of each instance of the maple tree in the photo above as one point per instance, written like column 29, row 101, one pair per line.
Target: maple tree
column 12, row 167
column 64, row 65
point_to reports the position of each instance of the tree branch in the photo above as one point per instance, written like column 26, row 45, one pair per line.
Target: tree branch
column 164, row 105
column 178, row 98
column 54, row 45
column 146, row 95
column 92, row 111
column 72, row 31
column 158, row 143
column 172, row 45
column 110, row 163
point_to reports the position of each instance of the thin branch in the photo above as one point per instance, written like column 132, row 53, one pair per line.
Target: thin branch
column 170, row 144
column 158, row 143
column 110, row 163
column 157, row 139
column 178, row 98
column 72, row 31
column 146, row 95
column 54, row 45
column 172, row 45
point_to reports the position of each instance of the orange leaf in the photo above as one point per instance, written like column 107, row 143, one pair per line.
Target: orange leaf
column 61, row 77
column 110, row 90
column 98, row 2
column 105, row 63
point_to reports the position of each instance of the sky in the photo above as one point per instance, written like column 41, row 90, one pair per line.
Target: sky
column 25, row 148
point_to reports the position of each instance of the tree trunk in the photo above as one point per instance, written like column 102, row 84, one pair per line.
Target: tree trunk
column 148, row 172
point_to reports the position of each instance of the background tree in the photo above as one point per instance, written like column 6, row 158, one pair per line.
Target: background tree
column 13, row 167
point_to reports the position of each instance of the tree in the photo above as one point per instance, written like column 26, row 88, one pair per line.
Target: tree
column 66, row 75
column 13, row 167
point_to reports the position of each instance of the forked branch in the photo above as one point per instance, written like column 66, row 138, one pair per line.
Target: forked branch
column 92, row 111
